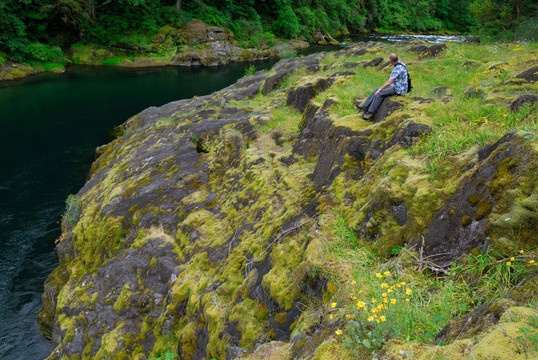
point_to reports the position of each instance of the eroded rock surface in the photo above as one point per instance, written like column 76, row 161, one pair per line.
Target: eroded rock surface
column 201, row 228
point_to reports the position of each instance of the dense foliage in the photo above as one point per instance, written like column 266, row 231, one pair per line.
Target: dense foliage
column 38, row 29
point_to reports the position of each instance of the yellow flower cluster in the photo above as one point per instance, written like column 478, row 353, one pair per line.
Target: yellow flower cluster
column 374, row 308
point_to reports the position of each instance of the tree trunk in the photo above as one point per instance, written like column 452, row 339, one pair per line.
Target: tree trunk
column 91, row 4
column 178, row 4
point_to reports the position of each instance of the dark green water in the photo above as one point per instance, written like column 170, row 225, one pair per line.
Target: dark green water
column 50, row 126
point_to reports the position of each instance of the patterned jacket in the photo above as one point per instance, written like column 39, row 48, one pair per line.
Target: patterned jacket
column 399, row 75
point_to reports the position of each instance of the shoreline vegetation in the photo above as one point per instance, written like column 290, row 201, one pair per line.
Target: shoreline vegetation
column 209, row 46
column 48, row 35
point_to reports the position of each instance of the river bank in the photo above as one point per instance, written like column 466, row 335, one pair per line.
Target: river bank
column 202, row 45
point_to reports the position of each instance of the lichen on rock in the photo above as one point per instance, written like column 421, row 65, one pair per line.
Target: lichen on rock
column 204, row 226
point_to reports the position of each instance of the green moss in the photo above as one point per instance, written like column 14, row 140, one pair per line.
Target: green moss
column 122, row 301
column 483, row 209
column 503, row 178
column 466, row 220
column 473, row 200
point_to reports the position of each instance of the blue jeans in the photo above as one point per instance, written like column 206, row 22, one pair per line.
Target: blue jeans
column 373, row 102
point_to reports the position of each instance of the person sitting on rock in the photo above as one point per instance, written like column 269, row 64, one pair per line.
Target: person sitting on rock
column 395, row 85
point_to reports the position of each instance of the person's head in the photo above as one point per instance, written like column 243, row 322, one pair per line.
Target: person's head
column 393, row 58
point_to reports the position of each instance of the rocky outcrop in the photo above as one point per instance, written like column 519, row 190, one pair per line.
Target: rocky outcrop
column 201, row 229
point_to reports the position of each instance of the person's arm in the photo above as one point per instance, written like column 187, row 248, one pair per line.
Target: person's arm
column 385, row 85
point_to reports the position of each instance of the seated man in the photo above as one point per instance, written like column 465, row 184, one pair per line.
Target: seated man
column 395, row 85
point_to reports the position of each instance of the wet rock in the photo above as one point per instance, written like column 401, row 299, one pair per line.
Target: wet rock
column 522, row 100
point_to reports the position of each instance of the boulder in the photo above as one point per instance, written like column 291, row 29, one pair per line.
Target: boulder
column 461, row 224
column 530, row 75
column 373, row 62
column 439, row 91
column 469, row 325
column 522, row 100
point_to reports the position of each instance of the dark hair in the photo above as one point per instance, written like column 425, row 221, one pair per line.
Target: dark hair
column 393, row 57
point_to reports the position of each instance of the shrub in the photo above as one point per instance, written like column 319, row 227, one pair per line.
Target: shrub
column 287, row 24
column 250, row 70
column 45, row 53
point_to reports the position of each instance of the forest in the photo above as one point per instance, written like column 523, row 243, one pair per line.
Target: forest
column 44, row 30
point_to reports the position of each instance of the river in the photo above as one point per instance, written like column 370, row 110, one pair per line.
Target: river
column 50, row 125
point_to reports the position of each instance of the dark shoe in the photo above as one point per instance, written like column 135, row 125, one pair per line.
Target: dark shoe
column 368, row 116
column 360, row 107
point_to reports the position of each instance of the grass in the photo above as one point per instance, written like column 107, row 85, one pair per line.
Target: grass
column 378, row 301
column 464, row 121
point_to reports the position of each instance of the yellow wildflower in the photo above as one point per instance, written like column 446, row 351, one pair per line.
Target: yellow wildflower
column 387, row 273
column 512, row 258
column 338, row 332
column 354, row 298
column 384, row 286
column 532, row 262
column 508, row 263
column 378, row 275
column 408, row 291
column 333, row 305
column 348, row 316
column 385, row 300
column 377, row 321
column 407, row 300
column 383, row 318
column 384, row 294
column 331, row 316
column 360, row 304
column 390, row 290
column 403, row 283
column 521, row 251
column 370, row 318
column 353, row 282
column 374, row 300
column 393, row 301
